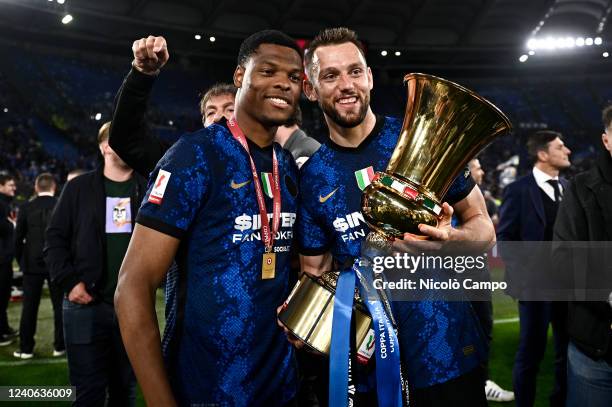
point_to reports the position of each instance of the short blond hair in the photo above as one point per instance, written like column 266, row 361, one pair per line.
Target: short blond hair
column 104, row 132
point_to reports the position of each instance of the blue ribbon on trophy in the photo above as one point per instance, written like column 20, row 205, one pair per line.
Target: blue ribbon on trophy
column 389, row 383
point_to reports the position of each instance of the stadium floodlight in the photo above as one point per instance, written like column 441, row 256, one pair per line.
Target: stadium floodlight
column 532, row 52
column 5, row 110
column 524, row 58
column 212, row 39
column 383, row 53
column 532, row 43
column 397, row 53
column 605, row 54
column 197, row 37
column 549, row 43
column 98, row 116
column 61, row 1
column 67, row 19
column 552, row 43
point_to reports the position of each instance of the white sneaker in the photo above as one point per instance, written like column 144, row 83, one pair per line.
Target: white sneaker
column 23, row 355
column 58, row 353
column 496, row 393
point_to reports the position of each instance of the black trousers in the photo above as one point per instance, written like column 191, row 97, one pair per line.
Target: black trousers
column 6, row 280
column 97, row 362
column 463, row 391
column 535, row 316
column 32, row 291
column 484, row 313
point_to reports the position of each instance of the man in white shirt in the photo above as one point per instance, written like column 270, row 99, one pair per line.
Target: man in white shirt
column 528, row 213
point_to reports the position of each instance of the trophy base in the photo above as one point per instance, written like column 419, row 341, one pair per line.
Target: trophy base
column 394, row 206
column 308, row 314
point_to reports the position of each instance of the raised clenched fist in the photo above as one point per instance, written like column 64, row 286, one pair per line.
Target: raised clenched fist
column 150, row 54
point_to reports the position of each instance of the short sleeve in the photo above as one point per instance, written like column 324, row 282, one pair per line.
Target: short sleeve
column 460, row 188
column 312, row 240
column 177, row 188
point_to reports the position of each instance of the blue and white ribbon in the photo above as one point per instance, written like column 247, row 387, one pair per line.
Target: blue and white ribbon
column 388, row 372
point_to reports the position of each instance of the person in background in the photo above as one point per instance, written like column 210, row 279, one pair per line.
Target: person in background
column 7, row 252
column 291, row 137
column 528, row 213
column 484, row 309
column 86, row 241
column 32, row 222
column 584, row 215
column 478, row 174
column 129, row 135
column 75, row 173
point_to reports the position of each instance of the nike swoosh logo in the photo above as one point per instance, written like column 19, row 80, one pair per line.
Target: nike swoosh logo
column 236, row 186
column 323, row 199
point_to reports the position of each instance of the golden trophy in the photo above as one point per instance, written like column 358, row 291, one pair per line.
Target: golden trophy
column 445, row 125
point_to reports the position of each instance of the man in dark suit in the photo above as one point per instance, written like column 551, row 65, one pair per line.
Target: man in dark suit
column 528, row 213
column 33, row 219
column 7, row 230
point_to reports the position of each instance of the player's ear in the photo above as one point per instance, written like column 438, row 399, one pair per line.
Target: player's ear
column 238, row 76
column 370, row 78
column 309, row 90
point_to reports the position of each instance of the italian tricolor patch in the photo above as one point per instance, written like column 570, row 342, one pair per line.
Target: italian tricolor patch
column 266, row 183
column 364, row 177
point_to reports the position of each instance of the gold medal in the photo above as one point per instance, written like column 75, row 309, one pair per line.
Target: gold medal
column 268, row 266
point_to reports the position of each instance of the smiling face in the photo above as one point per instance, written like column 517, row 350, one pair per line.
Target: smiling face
column 269, row 84
column 340, row 81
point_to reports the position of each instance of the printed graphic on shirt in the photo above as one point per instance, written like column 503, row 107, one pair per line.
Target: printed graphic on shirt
column 249, row 229
column 118, row 215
